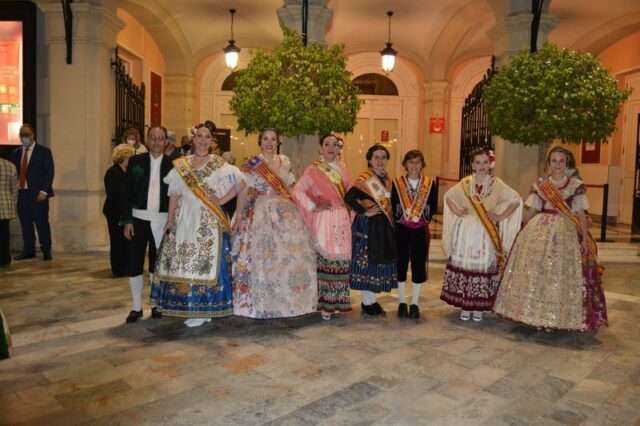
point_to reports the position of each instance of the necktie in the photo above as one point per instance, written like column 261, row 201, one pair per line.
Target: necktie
column 23, row 170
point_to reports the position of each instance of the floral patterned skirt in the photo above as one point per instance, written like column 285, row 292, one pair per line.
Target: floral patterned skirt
column 274, row 263
column 190, row 298
column 333, row 285
column 365, row 275
column 470, row 290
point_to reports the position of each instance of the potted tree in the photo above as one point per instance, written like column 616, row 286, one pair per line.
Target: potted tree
column 299, row 91
column 553, row 94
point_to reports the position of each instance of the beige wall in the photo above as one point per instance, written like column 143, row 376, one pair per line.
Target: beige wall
column 137, row 46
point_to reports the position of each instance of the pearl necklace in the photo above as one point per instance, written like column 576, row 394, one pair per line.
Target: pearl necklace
column 485, row 187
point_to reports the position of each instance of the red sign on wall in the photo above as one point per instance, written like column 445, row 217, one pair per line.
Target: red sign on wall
column 436, row 125
column 156, row 99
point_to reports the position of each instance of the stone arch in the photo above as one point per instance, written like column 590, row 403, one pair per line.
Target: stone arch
column 402, row 76
column 377, row 83
column 165, row 31
column 607, row 34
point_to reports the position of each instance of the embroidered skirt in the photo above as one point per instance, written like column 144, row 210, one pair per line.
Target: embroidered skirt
column 364, row 275
column 333, row 285
column 470, row 290
column 202, row 299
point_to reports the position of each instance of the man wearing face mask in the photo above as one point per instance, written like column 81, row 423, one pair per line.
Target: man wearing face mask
column 35, row 167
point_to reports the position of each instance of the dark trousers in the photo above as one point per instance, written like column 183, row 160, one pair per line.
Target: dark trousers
column 118, row 247
column 30, row 212
column 137, row 248
column 412, row 244
column 5, row 256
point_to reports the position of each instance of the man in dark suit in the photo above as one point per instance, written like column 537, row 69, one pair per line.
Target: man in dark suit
column 145, row 206
column 34, row 163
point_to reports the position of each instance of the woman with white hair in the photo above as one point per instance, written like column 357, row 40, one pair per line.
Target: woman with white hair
column 114, row 186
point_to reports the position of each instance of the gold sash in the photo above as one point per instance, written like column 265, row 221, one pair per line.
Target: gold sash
column 552, row 194
column 413, row 207
column 332, row 174
column 269, row 176
column 489, row 226
column 184, row 169
column 369, row 183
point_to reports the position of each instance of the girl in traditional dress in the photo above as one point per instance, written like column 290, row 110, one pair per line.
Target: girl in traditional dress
column 193, row 278
column 274, row 263
column 373, row 262
column 319, row 195
column 553, row 279
column 414, row 200
column 481, row 219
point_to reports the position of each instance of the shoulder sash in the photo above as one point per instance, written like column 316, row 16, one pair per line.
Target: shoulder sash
column 552, row 194
column 370, row 184
column 269, row 176
column 332, row 174
column 489, row 226
column 412, row 208
column 185, row 171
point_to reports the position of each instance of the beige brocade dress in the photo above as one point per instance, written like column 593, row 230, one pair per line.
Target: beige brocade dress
column 542, row 285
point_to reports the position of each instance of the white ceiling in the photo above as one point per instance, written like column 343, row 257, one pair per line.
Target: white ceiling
column 436, row 35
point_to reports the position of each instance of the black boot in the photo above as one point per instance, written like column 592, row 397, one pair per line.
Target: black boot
column 155, row 313
column 377, row 309
column 414, row 312
column 134, row 316
column 402, row 310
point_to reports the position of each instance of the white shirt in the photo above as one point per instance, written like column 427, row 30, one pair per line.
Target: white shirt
column 153, row 194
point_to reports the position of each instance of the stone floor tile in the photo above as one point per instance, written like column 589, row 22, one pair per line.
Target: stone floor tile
column 569, row 412
column 551, row 388
column 591, row 392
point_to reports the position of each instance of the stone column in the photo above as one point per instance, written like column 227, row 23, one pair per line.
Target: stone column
column 436, row 104
column 304, row 149
column 179, row 103
column 517, row 164
column 80, row 98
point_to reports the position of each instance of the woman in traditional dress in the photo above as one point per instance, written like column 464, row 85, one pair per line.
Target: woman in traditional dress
column 414, row 200
column 553, row 279
column 319, row 195
column 274, row 263
column 373, row 266
column 481, row 219
column 193, row 278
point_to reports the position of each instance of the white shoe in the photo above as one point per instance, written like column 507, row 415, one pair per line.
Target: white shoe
column 196, row 322
column 477, row 316
column 465, row 315
column 325, row 315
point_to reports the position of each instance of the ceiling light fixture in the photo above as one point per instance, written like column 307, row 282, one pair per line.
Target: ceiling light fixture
column 388, row 53
column 231, row 52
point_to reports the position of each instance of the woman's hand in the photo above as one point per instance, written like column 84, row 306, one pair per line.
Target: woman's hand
column 372, row 211
column 167, row 226
column 214, row 199
column 495, row 218
column 322, row 205
column 237, row 224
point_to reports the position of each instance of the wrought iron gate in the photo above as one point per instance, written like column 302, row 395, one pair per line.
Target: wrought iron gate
column 474, row 133
column 129, row 101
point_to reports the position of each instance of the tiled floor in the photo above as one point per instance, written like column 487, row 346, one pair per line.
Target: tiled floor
column 76, row 361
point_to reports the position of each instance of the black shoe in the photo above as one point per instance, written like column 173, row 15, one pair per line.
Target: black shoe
column 378, row 309
column 47, row 255
column 155, row 313
column 134, row 316
column 366, row 309
column 402, row 310
column 414, row 312
column 24, row 255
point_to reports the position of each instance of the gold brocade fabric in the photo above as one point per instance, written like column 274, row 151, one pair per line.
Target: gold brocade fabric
column 542, row 285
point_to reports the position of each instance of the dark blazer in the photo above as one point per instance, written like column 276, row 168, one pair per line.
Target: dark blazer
column 114, row 186
column 136, row 185
column 40, row 170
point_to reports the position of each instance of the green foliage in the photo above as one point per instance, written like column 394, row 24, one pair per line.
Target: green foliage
column 296, row 90
column 553, row 94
